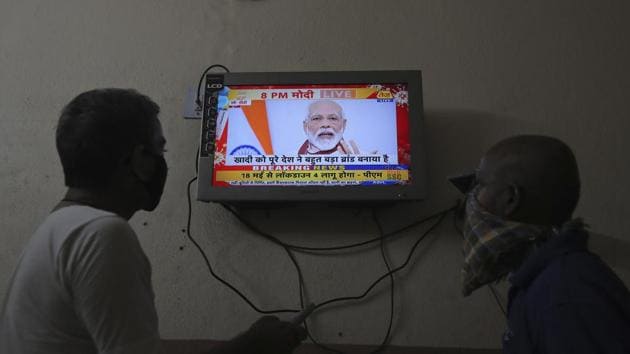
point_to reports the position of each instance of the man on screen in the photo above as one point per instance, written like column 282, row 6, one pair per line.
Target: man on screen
column 324, row 127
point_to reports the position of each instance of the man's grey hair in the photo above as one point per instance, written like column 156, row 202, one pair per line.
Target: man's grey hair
column 308, row 115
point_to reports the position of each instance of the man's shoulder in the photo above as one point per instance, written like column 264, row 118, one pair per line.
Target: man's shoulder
column 103, row 243
column 68, row 224
column 108, row 225
column 577, row 298
column 78, row 215
column 86, row 218
column 576, row 266
column 577, row 276
column 80, row 229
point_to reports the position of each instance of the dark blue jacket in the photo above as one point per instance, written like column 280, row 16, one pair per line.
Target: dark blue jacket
column 566, row 300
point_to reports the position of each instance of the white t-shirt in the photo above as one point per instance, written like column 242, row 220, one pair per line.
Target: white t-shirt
column 82, row 285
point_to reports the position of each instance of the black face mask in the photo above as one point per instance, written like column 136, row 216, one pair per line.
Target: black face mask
column 155, row 186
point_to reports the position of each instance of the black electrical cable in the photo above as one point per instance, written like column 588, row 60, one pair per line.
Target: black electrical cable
column 224, row 282
column 302, row 290
column 388, row 274
column 197, row 163
column 393, row 271
column 496, row 297
column 397, row 269
column 300, row 276
column 332, row 248
column 203, row 254
column 198, row 100
column 387, row 338
column 310, row 336
column 441, row 214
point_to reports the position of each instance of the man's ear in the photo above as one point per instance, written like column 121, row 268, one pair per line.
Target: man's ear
column 142, row 166
column 512, row 199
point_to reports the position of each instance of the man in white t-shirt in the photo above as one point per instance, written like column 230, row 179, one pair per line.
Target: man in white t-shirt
column 83, row 282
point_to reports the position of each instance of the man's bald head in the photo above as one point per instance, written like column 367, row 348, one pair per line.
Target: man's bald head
column 537, row 174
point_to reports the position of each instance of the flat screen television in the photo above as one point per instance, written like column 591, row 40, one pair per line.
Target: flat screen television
column 312, row 136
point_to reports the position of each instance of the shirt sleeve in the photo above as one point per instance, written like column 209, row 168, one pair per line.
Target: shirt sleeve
column 110, row 283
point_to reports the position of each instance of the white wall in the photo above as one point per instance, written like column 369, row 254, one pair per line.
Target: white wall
column 491, row 69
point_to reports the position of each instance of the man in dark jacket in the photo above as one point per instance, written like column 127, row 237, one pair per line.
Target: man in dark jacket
column 563, row 298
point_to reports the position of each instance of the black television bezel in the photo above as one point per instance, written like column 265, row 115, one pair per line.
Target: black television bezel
column 416, row 190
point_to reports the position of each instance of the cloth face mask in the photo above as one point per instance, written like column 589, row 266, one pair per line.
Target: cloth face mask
column 493, row 247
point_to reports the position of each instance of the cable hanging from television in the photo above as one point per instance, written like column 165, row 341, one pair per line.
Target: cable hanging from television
column 203, row 76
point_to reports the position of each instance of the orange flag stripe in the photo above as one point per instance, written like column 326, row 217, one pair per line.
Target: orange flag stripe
column 256, row 115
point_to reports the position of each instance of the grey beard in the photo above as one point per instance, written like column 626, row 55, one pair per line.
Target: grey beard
column 327, row 144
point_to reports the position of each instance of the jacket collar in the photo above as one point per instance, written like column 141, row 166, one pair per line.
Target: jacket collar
column 570, row 241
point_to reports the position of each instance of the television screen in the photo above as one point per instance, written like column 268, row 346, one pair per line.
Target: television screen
column 311, row 136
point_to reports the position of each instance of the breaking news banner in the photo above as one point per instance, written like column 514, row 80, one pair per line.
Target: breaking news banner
column 305, row 160
column 313, row 177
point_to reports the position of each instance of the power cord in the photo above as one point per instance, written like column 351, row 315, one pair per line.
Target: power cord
column 393, row 271
column 390, row 272
column 493, row 290
column 330, row 248
column 302, row 291
column 288, row 249
column 198, row 100
column 299, row 271
column 387, row 338
column 216, row 276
